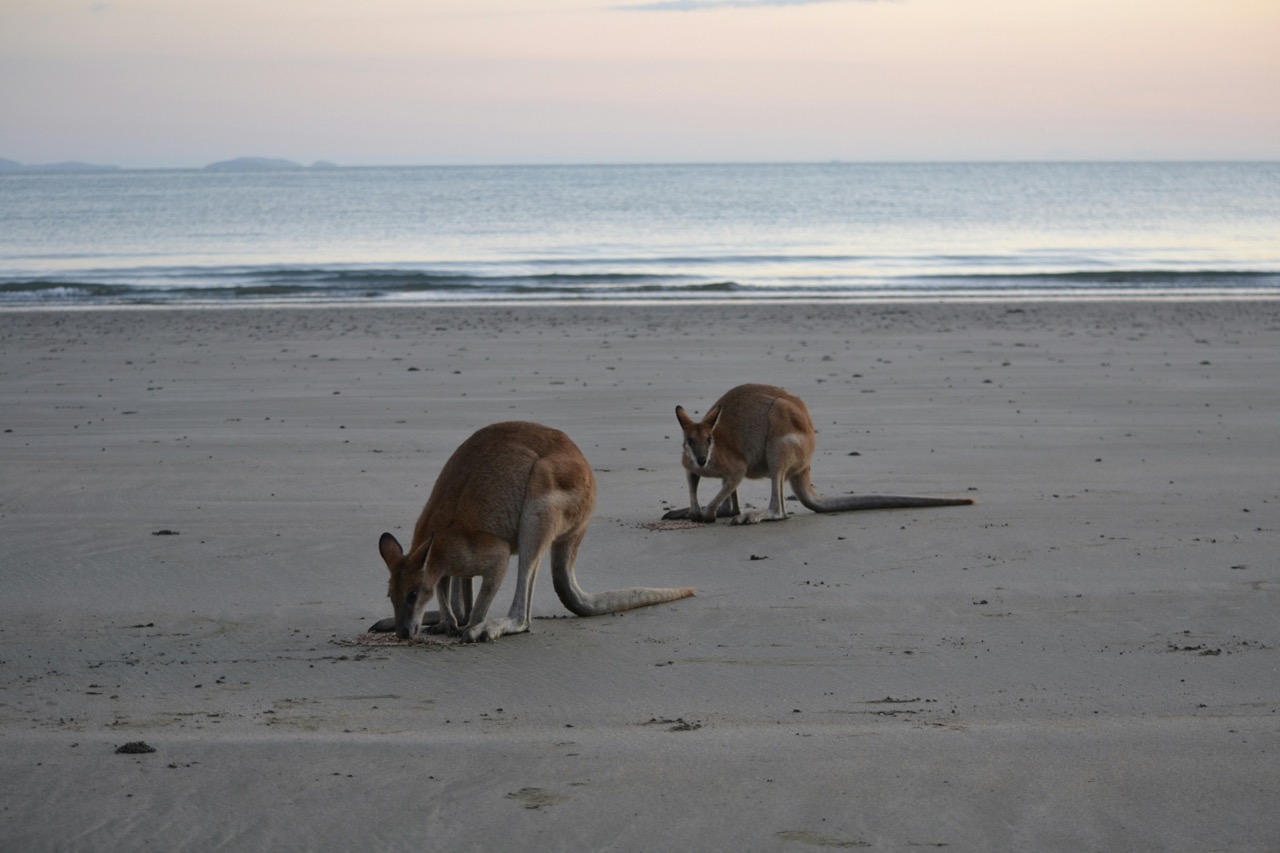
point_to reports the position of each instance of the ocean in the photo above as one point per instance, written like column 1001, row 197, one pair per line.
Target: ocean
column 658, row 233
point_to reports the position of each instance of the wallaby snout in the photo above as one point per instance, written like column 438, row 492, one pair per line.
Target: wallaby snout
column 698, row 455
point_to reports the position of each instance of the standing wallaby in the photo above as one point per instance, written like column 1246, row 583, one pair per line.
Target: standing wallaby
column 757, row 431
column 511, row 488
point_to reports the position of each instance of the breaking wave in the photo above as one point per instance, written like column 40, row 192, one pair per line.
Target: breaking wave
column 406, row 285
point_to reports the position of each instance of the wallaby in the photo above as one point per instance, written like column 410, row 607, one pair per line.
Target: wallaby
column 511, row 488
column 757, row 431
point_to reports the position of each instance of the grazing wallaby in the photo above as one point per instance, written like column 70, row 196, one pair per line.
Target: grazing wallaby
column 511, row 488
column 756, row 431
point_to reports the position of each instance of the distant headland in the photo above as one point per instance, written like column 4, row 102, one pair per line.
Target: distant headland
column 70, row 166
column 238, row 164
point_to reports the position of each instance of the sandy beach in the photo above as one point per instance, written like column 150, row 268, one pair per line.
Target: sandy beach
column 1086, row 659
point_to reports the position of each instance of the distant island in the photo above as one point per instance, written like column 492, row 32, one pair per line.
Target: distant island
column 263, row 164
column 253, row 164
column 239, row 164
column 70, row 166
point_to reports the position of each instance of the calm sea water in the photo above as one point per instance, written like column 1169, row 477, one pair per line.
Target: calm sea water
column 641, row 233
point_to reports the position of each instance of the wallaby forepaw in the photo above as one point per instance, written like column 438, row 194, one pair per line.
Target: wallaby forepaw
column 748, row 518
column 703, row 516
column 676, row 514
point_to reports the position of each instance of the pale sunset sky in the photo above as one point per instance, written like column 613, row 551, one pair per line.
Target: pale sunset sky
column 176, row 83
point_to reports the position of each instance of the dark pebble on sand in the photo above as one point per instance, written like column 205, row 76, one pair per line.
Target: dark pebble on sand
column 135, row 747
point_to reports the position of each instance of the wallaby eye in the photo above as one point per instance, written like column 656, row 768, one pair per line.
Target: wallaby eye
column 412, row 596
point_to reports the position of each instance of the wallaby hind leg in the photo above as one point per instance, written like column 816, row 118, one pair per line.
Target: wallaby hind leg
column 534, row 537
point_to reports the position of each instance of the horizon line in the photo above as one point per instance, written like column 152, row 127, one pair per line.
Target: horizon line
column 286, row 164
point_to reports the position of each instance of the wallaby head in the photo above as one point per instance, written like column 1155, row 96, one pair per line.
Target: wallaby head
column 409, row 589
column 699, row 436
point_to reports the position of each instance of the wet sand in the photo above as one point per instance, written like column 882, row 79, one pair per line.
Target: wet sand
column 1086, row 659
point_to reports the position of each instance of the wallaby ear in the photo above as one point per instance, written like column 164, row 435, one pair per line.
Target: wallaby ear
column 418, row 558
column 713, row 417
column 684, row 419
column 390, row 549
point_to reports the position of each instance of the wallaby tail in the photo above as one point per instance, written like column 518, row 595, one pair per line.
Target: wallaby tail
column 612, row 601
column 850, row 503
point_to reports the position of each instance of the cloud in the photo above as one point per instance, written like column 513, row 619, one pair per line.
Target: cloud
column 701, row 5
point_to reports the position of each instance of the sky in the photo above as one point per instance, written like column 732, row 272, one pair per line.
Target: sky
column 182, row 83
